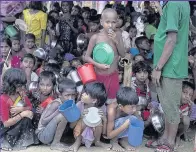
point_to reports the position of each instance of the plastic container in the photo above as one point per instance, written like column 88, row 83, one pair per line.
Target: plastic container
column 87, row 73
column 135, row 134
column 11, row 31
column 70, row 111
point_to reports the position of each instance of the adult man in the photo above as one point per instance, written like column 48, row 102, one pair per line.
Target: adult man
column 171, row 66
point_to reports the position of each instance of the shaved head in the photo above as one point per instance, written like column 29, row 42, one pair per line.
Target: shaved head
column 108, row 12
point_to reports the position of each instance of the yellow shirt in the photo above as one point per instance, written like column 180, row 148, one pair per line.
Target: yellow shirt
column 35, row 22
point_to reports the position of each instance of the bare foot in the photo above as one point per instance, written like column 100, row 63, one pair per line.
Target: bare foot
column 76, row 145
column 124, row 143
column 178, row 144
column 103, row 145
column 117, row 147
column 59, row 146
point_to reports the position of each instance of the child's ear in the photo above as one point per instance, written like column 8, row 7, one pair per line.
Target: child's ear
column 120, row 106
column 94, row 101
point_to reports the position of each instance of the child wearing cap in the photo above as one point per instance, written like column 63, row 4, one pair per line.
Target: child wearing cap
column 88, row 130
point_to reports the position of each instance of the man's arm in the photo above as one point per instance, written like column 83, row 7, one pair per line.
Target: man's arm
column 168, row 49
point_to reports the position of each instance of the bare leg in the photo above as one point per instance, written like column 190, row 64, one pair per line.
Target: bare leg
column 173, row 128
column 56, row 144
column 124, row 143
column 116, row 146
column 97, row 134
column 76, row 145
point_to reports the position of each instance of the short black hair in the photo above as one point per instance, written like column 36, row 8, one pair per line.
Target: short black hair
column 12, row 79
column 127, row 96
column 30, row 56
column 53, row 21
column 79, row 8
column 36, row 5
column 47, row 75
column 139, row 40
column 29, row 36
column 65, row 84
column 70, row 3
column 52, row 67
column 97, row 91
column 141, row 66
column 15, row 38
column 53, row 11
column 186, row 84
column 57, row 6
column 86, row 9
column 130, row 27
column 6, row 40
column 93, row 12
column 95, row 19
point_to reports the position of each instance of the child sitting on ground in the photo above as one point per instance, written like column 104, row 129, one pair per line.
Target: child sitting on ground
column 16, row 48
column 94, row 96
column 41, row 97
column 28, row 62
column 29, row 46
column 140, row 82
column 122, row 113
column 17, row 131
column 52, row 123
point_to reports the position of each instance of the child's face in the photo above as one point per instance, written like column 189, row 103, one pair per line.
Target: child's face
column 5, row 49
column 55, row 15
column 128, row 109
column 16, row 45
column 139, row 58
column 86, row 15
column 80, row 23
column 27, row 63
column 46, row 86
column 68, row 95
column 65, row 7
column 93, row 27
column 119, row 23
column 87, row 99
column 145, row 45
column 142, row 76
column 30, row 43
column 187, row 94
column 132, row 32
column 74, row 11
column 49, row 24
column 109, row 21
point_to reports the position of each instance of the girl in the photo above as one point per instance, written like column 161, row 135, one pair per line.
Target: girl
column 29, row 46
column 16, row 48
column 16, row 127
column 50, row 31
column 6, row 59
column 94, row 96
column 67, row 26
column 36, row 21
column 43, row 95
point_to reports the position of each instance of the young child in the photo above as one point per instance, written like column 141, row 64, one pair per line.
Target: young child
column 186, row 103
column 29, row 46
column 140, row 83
column 121, row 114
column 132, row 34
column 44, row 93
column 93, row 26
column 28, row 62
column 52, row 123
column 94, row 96
column 16, row 48
column 36, row 21
column 137, row 58
column 86, row 14
column 50, row 30
column 108, row 74
column 15, row 112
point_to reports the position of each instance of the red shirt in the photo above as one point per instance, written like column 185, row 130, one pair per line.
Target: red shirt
column 5, row 106
column 15, row 61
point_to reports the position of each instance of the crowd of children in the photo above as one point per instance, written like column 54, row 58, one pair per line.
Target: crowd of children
column 29, row 80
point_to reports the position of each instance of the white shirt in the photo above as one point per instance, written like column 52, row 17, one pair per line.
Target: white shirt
column 34, row 77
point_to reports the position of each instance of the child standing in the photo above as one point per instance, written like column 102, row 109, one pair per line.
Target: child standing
column 16, row 48
column 45, row 93
column 94, row 96
column 108, row 74
column 122, row 114
column 52, row 123
column 17, row 131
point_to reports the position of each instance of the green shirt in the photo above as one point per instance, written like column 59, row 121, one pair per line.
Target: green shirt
column 176, row 16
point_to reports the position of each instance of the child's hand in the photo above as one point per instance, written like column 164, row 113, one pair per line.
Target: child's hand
column 27, row 114
column 126, row 124
column 103, row 66
column 39, row 109
column 28, row 72
column 112, row 35
column 103, row 117
column 16, row 110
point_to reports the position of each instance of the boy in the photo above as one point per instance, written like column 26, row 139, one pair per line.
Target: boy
column 52, row 123
column 118, row 123
column 93, row 26
column 16, row 49
column 107, row 74
column 29, row 43
column 27, row 65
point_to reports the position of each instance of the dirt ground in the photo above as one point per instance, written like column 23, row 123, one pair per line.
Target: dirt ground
column 187, row 147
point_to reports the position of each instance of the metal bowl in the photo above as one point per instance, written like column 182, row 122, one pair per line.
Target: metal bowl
column 122, row 62
column 82, row 41
column 40, row 53
column 158, row 122
column 33, row 86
